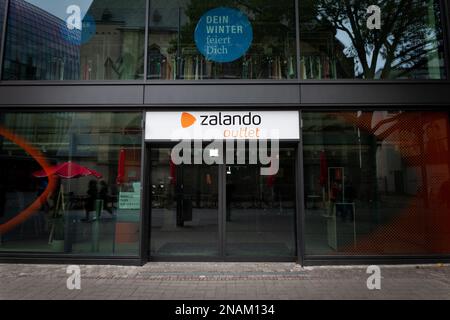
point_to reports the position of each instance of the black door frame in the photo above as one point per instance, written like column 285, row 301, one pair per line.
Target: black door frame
column 222, row 257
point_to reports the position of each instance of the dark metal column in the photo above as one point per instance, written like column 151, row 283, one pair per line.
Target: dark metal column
column 144, row 246
column 222, row 208
column 147, row 27
column 300, row 212
column 445, row 23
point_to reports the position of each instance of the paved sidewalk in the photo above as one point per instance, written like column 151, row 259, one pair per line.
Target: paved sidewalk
column 223, row 281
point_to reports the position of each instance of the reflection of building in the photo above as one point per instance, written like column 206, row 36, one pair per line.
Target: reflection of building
column 40, row 50
column 47, row 50
column 164, row 23
column 115, row 50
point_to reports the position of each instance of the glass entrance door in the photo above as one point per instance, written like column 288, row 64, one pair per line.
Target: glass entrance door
column 260, row 209
column 223, row 211
column 185, row 208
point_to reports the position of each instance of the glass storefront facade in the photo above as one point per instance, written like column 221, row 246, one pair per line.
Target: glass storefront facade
column 82, row 208
column 377, row 183
column 105, row 40
column 367, row 177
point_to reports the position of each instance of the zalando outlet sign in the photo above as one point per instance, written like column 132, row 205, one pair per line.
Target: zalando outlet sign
column 222, row 125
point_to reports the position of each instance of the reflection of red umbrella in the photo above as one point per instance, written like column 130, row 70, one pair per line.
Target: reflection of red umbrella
column 173, row 172
column 323, row 169
column 272, row 174
column 68, row 170
column 121, row 168
column 271, row 180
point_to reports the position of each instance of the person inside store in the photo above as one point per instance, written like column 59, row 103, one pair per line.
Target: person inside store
column 104, row 196
column 92, row 194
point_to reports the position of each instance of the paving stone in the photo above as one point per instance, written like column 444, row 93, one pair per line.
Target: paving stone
column 211, row 281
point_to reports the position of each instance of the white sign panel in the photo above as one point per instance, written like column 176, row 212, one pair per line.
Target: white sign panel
column 222, row 125
column 129, row 200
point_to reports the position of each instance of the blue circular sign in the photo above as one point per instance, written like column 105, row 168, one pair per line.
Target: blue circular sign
column 223, row 34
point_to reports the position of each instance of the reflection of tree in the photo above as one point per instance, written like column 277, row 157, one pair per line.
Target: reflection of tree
column 406, row 40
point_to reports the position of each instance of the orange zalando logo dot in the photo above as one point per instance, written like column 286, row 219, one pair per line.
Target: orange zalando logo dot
column 187, row 120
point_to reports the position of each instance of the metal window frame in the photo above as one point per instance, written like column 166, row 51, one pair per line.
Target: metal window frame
column 297, row 38
column 147, row 34
column 300, row 197
column 445, row 24
column 3, row 27
column 144, row 229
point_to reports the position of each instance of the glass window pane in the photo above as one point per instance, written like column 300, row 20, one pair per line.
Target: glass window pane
column 174, row 54
column 185, row 207
column 377, row 183
column 396, row 39
column 260, row 216
column 90, row 205
column 75, row 40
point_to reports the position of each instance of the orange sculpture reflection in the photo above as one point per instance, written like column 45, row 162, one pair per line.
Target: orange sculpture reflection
column 36, row 205
column 423, row 225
